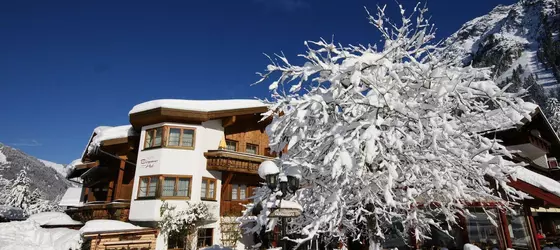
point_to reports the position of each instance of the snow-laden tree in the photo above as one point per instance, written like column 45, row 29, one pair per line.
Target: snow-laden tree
column 386, row 134
column 553, row 113
column 18, row 194
column 182, row 220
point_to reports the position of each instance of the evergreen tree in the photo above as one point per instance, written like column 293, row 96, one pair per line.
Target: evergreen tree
column 553, row 113
column 18, row 194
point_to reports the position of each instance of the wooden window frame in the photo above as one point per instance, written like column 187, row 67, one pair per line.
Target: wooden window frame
column 177, row 177
column 206, row 181
column 252, row 144
column 239, row 192
column 159, row 187
column 236, row 144
column 168, row 129
column 153, row 132
column 211, row 237
column 149, row 177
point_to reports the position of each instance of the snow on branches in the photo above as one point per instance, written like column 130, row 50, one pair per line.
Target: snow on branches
column 387, row 135
column 18, row 194
column 182, row 219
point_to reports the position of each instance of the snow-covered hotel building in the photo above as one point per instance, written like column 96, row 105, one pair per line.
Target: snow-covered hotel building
column 174, row 151
column 209, row 151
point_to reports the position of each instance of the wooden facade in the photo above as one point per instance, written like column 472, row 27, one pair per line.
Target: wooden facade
column 141, row 239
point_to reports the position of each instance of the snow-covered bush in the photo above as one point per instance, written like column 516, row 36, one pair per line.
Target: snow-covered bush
column 182, row 219
column 385, row 134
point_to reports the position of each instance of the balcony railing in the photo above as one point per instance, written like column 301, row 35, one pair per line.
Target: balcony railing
column 225, row 160
column 95, row 211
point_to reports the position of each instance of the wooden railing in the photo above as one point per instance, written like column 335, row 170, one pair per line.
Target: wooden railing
column 225, row 160
column 110, row 211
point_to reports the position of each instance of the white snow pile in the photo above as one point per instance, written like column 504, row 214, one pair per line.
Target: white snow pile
column 104, row 133
column 537, row 180
column 506, row 118
column 53, row 219
column 93, row 226
column 30, row 236
column 11, row 213
column 198, row 105
column 288, row 205
column 470, row 247
column 3, row 159
column 72, row 197
column 61, row 169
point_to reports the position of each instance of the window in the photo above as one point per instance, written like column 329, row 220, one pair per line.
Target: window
column 175, row 137
column 231, row 145
column 239, row 192
column 176, row 240
column 519, row 231
column 148, row 186
column 481, row 231
column 204, row 238
column 176, row 186
column 164, row 186
column 252, row 148
column 153, row 138
column 180, row 137
column 208, row 189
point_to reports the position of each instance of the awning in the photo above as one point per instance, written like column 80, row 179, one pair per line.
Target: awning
column 72, row 197
column 537, row 185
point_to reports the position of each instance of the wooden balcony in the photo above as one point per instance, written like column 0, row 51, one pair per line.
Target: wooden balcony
column 92, row 211
column 225, row 160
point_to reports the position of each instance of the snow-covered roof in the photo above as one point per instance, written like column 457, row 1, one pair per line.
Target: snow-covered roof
column 29, row 235
column 72, row 197
column 11, row 213
column 506, row 118
column 198, row 105
column 53, row 219
column 94, row 226
column 104, row 133
column 537, row 180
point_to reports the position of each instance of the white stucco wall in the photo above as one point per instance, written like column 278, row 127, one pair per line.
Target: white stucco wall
column 169, row 161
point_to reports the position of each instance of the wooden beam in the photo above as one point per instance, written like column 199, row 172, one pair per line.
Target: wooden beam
column 120, row 177
column 505, row 228
column 228, row 121
column 532, row 227
column 225, row 183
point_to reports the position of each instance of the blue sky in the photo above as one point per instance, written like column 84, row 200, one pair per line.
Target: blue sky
column 69, row 66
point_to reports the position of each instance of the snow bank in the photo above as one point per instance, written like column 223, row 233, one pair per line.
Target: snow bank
column 52, row 219
column 198, row 105
column 11, row 213
column 103, row 133
column 470, row 247
column 93, row 226
column 537, row 180
column 72, row 197
column 30, row 236
column 61, row 169
column 3, row 159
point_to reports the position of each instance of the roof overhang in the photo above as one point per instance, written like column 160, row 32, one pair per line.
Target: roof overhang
column 158, row 115
column 81, row 169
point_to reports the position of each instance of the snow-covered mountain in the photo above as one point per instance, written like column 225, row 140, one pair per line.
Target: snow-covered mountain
column 45, row 175
column 60, row 168
column 519, row 40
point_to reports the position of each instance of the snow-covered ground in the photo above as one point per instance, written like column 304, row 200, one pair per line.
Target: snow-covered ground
column 29, row 235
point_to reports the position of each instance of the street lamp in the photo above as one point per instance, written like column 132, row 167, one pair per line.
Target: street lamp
column 287, row 182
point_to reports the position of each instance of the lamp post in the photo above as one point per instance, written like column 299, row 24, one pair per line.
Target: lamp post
column 287, row 182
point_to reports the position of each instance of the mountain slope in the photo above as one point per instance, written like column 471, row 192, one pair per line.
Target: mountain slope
column 61, row 169
column 49, row 181
column 514, row 39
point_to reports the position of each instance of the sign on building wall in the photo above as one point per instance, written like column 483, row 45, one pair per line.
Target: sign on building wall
column 148, row 162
